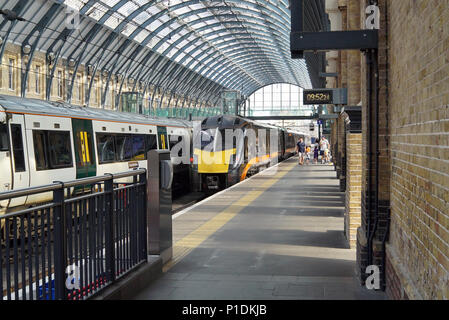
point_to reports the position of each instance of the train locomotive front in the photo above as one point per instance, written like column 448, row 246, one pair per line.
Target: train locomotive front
column 218, row 155
column 227, row 149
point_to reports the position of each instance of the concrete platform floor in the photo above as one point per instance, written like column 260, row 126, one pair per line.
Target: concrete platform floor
column 278, row 235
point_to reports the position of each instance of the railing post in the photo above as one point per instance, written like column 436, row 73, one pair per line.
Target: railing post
column 134, row 215
column 60, row 243
column 109, row 228
column 159, row 204
column 142, row 222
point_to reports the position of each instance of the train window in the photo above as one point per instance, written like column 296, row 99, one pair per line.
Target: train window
column 124, row 147
column 174, row 140
column 106, row 148
column 17, row 147
column 139, row 148
column 150, row 142
column 60, row 151
column 39, row 150
column 268, row 142
column 52, row 149
column 246, row 149
column 3, row 137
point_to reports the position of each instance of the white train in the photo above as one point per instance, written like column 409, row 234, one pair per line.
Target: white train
column 42, row 142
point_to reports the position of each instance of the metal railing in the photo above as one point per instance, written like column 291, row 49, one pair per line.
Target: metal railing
column 93, row 232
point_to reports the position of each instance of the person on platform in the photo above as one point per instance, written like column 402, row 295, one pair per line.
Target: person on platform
column 324, row 146
column 301, row 149
column 316, row 154
column 308, row 150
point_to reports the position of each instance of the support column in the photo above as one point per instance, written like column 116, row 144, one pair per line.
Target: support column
column 353, row 172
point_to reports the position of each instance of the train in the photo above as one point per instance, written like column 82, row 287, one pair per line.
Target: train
column 44, row 141
column 228, row 149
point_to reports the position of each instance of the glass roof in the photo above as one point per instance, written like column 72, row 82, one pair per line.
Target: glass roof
column 239, row 44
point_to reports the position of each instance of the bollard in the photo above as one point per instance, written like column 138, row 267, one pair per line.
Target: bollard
column 159, row 204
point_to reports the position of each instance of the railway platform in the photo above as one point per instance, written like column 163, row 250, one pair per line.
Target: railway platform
column 278, row 235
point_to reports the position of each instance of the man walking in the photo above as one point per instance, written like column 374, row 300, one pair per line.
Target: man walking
column 301, row 149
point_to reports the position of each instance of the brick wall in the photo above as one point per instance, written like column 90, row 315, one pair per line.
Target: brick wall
column 353, row 186
column 419, row 112
column 413, row 150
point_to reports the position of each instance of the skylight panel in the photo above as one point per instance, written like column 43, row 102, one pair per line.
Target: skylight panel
column 110, row 3
column 196, row 6
column 75, row 4
column 179, row 56
column 113, row 21
column 154, row 25
column 142, row 17
column 128, row 8
column 183, row 43
column 153, row 10
column 141, row 35
column 181, row 10
column 97, row 11
column 129, row 29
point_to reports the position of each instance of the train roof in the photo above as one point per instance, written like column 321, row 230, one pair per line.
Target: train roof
column 62, row 109
column 231, row 121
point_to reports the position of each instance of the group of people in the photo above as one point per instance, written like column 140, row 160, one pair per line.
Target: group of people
column 320, row 149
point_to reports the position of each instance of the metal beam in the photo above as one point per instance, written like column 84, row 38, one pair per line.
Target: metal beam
column 334, row 40
column 284, row 118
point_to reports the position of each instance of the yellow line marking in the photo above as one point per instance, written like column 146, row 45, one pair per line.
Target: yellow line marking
column 184, row 246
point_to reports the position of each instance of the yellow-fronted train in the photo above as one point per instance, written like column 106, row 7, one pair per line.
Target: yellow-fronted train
column 228, row 149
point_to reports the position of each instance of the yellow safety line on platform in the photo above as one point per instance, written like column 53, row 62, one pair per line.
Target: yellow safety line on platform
column 184, row 246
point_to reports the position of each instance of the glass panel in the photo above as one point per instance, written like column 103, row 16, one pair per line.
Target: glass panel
column 138, row 148
column 60, row 151
column 124, row 147
column 151, row 142
column 39, row 150
column 3, row 138
column 174, row 140
column 17, row 146
column 106, row 148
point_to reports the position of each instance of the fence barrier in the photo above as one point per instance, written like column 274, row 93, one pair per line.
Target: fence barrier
column 92, row 233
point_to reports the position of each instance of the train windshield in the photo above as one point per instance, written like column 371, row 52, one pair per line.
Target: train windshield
column 207, row 138
column 215, row 140
column 3, row 138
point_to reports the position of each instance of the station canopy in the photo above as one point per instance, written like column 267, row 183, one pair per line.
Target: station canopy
column 183, row 47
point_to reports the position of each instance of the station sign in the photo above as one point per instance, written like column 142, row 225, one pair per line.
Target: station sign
column 312, row 97
column 325, row 96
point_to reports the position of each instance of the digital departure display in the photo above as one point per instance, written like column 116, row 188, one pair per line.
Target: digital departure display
column 318, row 97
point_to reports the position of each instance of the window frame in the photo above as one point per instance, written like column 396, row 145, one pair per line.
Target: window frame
column 11, row 74
column 37, row 80
column 49, row 165
column 114, row 136
column 16, row 149
column 98, row 135
column 6, row 135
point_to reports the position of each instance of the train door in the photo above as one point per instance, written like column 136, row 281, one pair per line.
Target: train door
column 162, row 138
column 282, row 145
column 84, row 148
column 5, row 160
column 20, row 168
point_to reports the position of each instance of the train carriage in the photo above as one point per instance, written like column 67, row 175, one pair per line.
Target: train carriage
column 42, row 142
column 227, row 149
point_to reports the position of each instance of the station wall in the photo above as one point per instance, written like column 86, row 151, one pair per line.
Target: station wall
column 413, row 187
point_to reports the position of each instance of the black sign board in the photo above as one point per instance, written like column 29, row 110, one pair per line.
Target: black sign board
column 318, row 97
